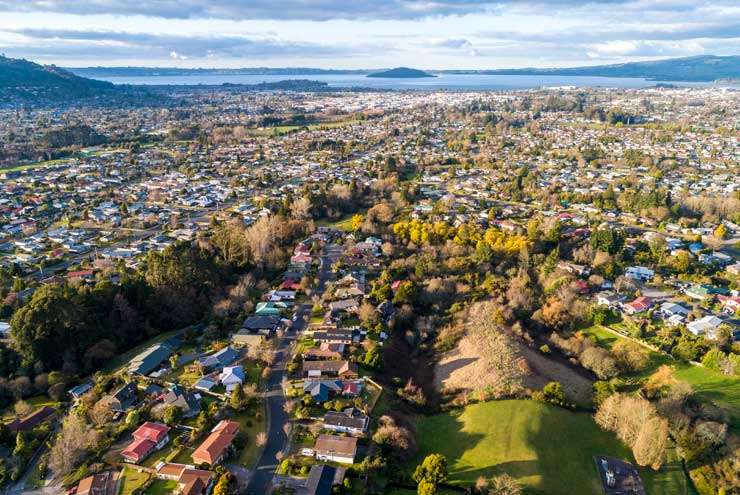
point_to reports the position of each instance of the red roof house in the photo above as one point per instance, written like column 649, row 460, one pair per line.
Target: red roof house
column 639, row 305
column 147, row 438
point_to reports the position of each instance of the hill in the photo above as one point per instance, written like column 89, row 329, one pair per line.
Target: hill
column 20, row 76
column 401, row 73
column 701, row 68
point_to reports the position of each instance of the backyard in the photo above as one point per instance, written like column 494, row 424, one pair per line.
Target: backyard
column 546, row 448
column 131, row 480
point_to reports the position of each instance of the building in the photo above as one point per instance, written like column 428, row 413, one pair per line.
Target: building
column 124, row 398
column 322, row 478
column 265, row 325
column 150, row 359
column 215, row 448
column 232, row 377
column 333, row 448
column 245, row 338
column 221, row 358
column 178, row 396
column 147, row 438
column 349, row 421
column 341, row 369
column 639, row 273
column 190, row 481
column 346, row 336
column 705, row 326
column 98, row 484
column 639, row 305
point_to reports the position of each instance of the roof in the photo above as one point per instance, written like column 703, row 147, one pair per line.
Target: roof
column 320, row 479
column 329, row 366
column 138, row 449
column 145, row 362
column 32, row 420
column 336, row 445
column 258, row 322
column 152, row 431
column 213, row 448
column 345, row 420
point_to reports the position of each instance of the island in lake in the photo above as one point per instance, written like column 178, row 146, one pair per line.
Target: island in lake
column 401, row 73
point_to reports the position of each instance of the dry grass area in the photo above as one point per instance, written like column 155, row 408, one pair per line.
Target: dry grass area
column 458, row 370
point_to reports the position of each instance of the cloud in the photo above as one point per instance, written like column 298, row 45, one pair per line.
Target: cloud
column 316, row 10
column 645, row 49
column 121, row 44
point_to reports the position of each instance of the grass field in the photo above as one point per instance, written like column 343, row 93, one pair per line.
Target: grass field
column 721, row 389
column 161, row 487
column 131, row 480
column 546, row 448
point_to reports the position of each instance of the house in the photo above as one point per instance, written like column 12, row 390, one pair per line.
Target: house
column 322, row 390
column 608, row 298
column 179, row 397
column 325, row 351
column 147, row 438
column 669, row 309
column 346, row 336
column 349, row 421
column 639, row 305
column 731, row 304
column 322, row 478
column 333, row 448
column 699, row 291
column 344, row 306
column 150, row 359
column 265, row 324
column 707, row 325
column 232, row 377
column 639, row 273
column 98, row 484
column 190, row 481
column 341, row 369
column 245, row 338
column 205, row 384
column 31, row 421
column 215, row 448
column 267, row 308
column 124, row 398
column 221, row 358
column 80, row 390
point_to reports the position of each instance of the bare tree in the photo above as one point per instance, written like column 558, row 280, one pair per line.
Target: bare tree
column 72, row 443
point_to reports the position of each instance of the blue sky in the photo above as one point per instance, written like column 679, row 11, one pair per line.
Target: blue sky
column 429, row 34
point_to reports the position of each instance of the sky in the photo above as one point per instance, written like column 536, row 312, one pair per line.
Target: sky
column 354, row 34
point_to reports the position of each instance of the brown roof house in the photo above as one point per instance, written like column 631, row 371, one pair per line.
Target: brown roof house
column 319, row 369
column 215, row 448
column 98, row 484
column 333, row 448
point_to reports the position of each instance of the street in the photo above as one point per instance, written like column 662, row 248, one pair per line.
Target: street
column 277, row 440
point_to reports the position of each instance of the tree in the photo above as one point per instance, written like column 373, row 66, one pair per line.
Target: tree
column 101, row 413
column 172, row 414
column 607, row 240
column 433, row 468
column 601, row 390
column 554, row 393
column 720, row 232
column 426, row 487
column 238, row 399
column 72, row 443
column 630, row 356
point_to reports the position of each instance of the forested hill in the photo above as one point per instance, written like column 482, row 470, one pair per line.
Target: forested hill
column 701, row 68
column 18, row 74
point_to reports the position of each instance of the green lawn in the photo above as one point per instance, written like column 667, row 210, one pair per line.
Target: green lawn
column 161, row 487
column 131, row 480
column 546, row 448
column 248, row 455
column 721, row 389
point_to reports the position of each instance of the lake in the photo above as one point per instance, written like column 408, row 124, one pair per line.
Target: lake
column 474, row 82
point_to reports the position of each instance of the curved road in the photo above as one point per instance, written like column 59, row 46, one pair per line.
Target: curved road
column 277, row 418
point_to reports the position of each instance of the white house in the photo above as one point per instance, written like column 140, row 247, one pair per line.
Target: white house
column 707, row 325
column 639, row 273
column 232, row 377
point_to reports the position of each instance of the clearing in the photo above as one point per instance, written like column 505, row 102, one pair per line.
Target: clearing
column 546, row 448
column 456, row 370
